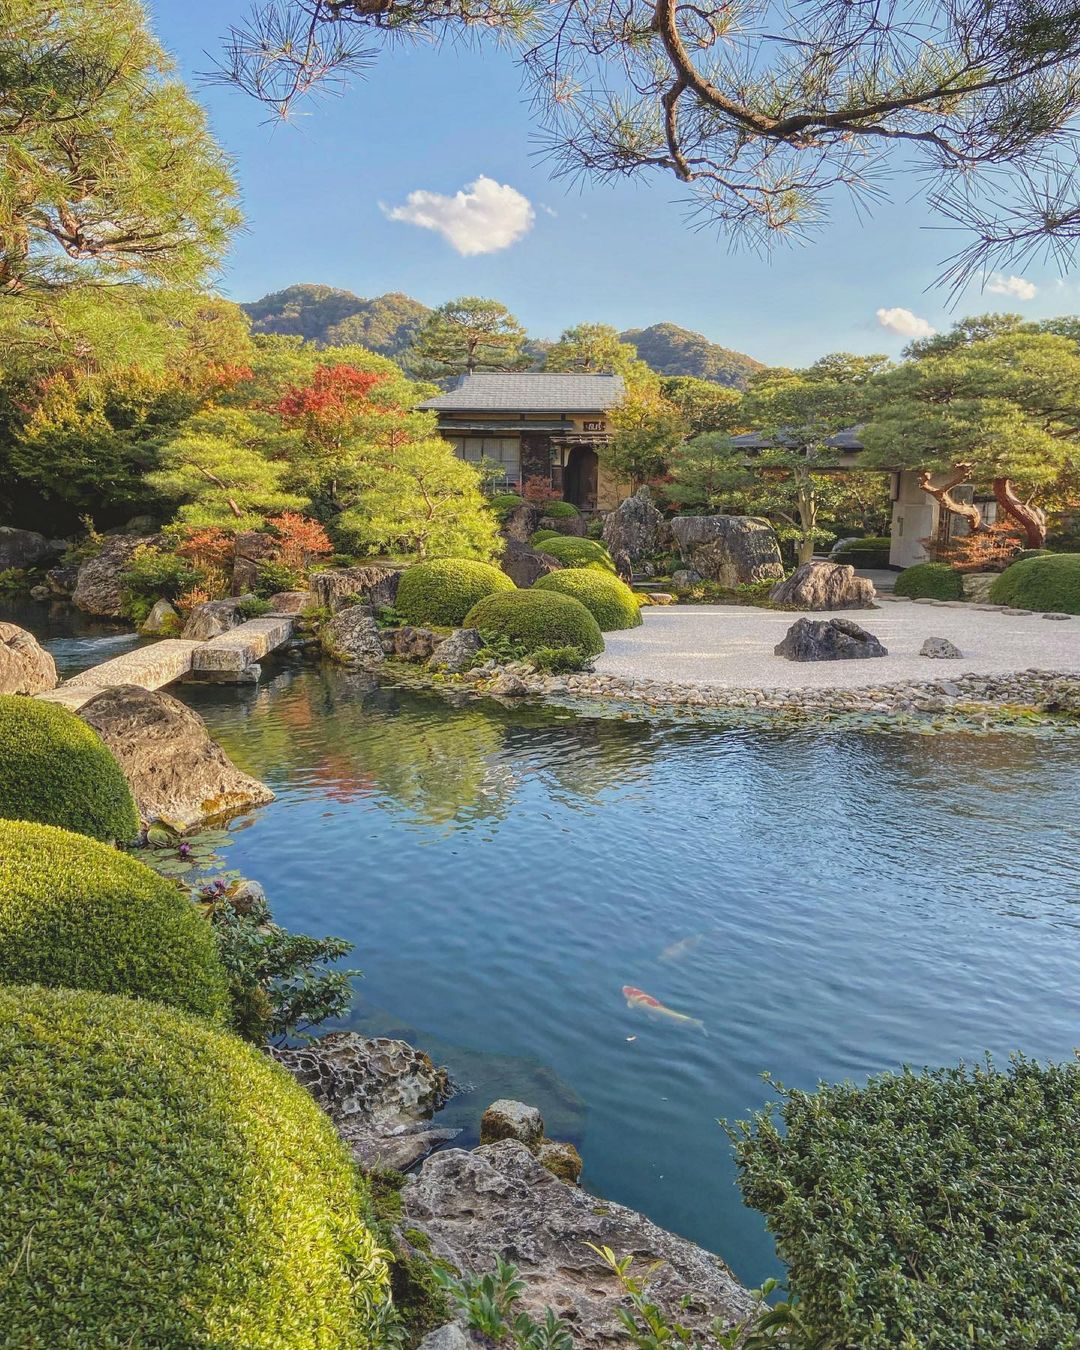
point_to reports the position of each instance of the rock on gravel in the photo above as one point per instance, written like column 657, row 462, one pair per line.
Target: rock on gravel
column 941, row 648
column 828, row 640
column 731, row 550
column 824, row 585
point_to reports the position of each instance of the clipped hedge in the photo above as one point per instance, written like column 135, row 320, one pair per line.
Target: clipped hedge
column 1050, row 583
column 561, row 510
column 871, row 551
column 535, row 619
column 934, row 1209
column 572, row 552
column 539, row 538
column 930, row 580
column 443, row 591
column 610, row 601
column 77, row 914
column 56, row 770
column 167, row 1185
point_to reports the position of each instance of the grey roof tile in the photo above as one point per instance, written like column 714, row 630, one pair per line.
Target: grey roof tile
column 530, row 392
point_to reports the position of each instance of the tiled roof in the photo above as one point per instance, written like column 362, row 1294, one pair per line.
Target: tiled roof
column 843, row 440
column 495, row 392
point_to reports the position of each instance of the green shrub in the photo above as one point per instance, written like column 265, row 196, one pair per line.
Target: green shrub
column 152, row 574
column 167, row 1185
column 443, row 591
column 926, row 1209
column 540, row 537
column 275, row 576
column 561, row 510
column 56, row 770
column 502, row 503
column 930, row 580
column 573, row 552
column 610, row 601
column 595, row 528
column 1050, row 583
column 873, row 551
column 559, row 660
column 79, row 914
column 536, row 619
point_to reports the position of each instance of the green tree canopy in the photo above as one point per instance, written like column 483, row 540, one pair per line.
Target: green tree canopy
column 467, row 335
column 704, row 406
column 596, row 349
column 107, row 169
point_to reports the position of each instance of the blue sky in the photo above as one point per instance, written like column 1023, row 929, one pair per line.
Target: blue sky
column 317, row 191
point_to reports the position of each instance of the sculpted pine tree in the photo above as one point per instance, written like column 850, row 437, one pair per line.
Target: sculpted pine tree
column 764, row 110
column 596, row 349
column 107, row 170
column 467, row 335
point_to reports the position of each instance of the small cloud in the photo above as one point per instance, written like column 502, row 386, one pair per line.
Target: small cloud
column 549, row 211
column 999, row 284
column 483, row 217
column 905, row 323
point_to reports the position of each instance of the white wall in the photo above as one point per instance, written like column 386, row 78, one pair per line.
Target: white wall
column 914, row 518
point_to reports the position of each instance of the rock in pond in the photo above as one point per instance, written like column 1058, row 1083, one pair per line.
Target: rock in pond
column 524, row 565
column 824, row 585
column 22, row 549
column 941, row 648
column 499, row 1200
column 374, row 584
column 409, row 643
column 379, row 1093
column 731, row 550
column 213, row 618
column 63, row 580
column 455, row 653
column 635, row 527
column 506, row 1119
column 98, row 588
column 828, row 640
column 561, row 1160
column 163, row 618
column 353, row 637
column 177, row 774
column 25, row 666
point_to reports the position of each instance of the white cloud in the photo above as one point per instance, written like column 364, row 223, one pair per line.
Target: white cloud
column 483, row 217
column 1017, row 287
column 905, row 323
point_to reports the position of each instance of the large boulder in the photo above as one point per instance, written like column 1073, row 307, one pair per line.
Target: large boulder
column 63, row 580
column 524, row 565
column 213, row 618
column 25, row 666
column 828, row 640
column 410, row 643
column 825, row 585
column 252, row 549
column 508, row 1119
column 977, row 586
column 635, row 527
column 575, row 527
column 177, row 774
column 98, row 588
column 379, row 1093
column 730, row 550
column 162, row 619
column 521, row 522
column 353, row 638
column 21, row 549
column 374, row 583
column 500, row 1201
column 457, row 652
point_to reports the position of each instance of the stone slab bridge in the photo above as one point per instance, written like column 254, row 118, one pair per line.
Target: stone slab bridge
column 231, row 658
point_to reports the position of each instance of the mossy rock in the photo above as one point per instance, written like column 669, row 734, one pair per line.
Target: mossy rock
column 167, row 1185
column 930, row 581
column 572, row 552
column 535, row 619
column 56, row 770
column 443, row 591
column 610, row 601
column 1050, row 583
column 79, row 914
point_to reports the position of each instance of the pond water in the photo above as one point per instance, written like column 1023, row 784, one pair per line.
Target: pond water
column 827, row 903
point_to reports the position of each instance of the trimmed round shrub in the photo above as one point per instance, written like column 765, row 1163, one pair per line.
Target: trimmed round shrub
column 504, row 502
column 925, row 1209
column 58, row 771
column 167, row 1185
column 1050, row 583
column 930, row 580
column 573, row 552
column 871, row 551
column 77, row 914
column 540, row 537
column 443, row 591
column 610, row 601
column 536, row 619
column 561, row 510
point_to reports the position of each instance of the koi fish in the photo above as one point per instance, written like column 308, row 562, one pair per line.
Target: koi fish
column 679, row 949
column 637, row 998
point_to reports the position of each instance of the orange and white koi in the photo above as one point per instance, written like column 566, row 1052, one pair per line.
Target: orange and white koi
column 637, row 998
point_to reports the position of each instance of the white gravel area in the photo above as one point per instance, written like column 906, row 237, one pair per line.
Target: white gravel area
column 731, row 646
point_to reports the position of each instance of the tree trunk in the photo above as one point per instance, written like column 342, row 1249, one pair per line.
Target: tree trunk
column 807, row 518
column 966, row 510
column 1031, row 519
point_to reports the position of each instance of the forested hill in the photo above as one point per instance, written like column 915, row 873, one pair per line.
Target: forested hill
column 671, row 350
column 386, row 324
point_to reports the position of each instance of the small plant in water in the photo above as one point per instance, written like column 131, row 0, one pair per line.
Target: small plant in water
column 186, row 856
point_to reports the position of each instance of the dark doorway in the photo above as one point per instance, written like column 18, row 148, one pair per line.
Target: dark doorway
column 580, row 478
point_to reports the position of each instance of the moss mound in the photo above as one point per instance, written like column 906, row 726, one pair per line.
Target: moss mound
column 1050, row 583
column 573, row 552
column 443, row 591
column 56, row 770
column 537, row 619
column 560, row 510
column 167, row 1185
column 610, row 601
column 80, row 915
column 929, row 580
column 540, row 537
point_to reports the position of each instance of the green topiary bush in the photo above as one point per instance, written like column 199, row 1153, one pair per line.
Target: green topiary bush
column 540, row 537
column 573, row 552
column 610, row 601
column 561, row 510
column 1050, row 583
column 872, row 551
column 926, row 1209
column 930, row 580
column 442, row 592
column 504, row 502
column 78, row 914
column 56, row 770
column 167, row 1185
column 534, row 619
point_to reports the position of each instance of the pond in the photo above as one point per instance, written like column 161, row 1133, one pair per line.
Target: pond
column 826, row 903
